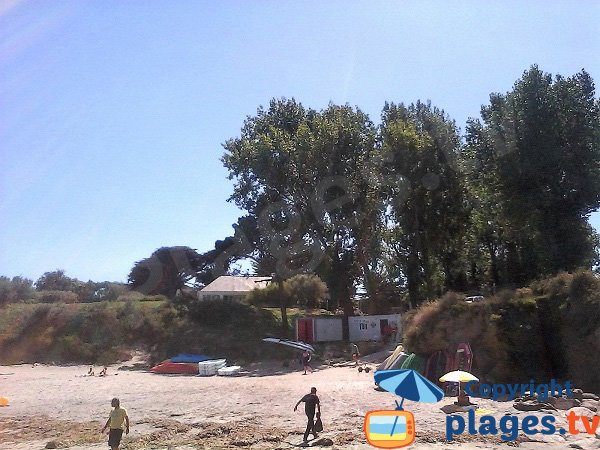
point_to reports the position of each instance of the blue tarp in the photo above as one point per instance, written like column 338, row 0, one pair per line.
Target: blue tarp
column 189, row 358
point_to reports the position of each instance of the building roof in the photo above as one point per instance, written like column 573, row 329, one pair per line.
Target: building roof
column 228, row 283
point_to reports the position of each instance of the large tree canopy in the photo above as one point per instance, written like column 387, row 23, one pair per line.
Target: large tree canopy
column 299, row 173
column 407, row 205
column 166, row 271
column 427, row 217
column 534, row 165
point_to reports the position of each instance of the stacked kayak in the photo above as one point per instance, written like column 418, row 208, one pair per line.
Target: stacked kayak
column 189, row 358
column 189, row 364
column 183, row 364
column 414, row 362
column 168, row 367
column 229, row 371
column 210, row 367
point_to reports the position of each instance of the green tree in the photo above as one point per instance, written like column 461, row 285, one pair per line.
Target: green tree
column 15, row 289
column 426, row 216
column 55, row 281
column 534, row 169
column 166, row 271
column 299, row 173
column 304, row 291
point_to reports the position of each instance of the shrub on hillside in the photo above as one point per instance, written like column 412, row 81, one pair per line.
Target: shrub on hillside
column 584, row 287
column 551, row 329
column 440, row 325
column 15, row 290
column 556, row 287
column 220, row 313
column 153, row 298
column 56, row 297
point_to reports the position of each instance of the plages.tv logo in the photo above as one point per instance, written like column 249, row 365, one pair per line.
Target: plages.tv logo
column 396, row 428
column 510, row 426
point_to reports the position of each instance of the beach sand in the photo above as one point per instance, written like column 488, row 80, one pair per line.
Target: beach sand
column 253, row 411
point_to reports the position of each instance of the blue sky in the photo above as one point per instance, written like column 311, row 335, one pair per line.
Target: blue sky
column 112, row 113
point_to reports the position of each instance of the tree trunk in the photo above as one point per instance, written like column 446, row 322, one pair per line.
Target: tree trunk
column 285, row 327
column 493, row 263
column 412, row 278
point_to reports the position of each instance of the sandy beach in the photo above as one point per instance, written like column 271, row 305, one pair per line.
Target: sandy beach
column 253, row 411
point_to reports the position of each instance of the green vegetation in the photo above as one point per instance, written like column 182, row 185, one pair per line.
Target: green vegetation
column 85, row 333
column 306, row 291
column 405, row 210
column 107, row 332
column 548, row 330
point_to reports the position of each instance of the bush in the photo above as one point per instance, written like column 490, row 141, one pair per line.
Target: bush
column 220, row 313
column 555, row 287
column 524, row 292
column 56, row 297
column 584, row 287
column 153, row 298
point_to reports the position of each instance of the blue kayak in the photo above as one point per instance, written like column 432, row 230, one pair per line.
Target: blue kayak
column 189, row 358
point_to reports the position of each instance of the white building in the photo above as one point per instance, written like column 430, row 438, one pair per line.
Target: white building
column 371, row 328
column 229, row 287
column 360, row 328
column 319, row 329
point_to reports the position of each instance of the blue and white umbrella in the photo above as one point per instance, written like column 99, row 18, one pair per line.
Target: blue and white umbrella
column 410, row 384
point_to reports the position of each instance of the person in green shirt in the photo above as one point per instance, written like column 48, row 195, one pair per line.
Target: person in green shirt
column 117, row 421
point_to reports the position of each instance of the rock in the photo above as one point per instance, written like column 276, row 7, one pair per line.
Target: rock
column 581, row 411
column 588, row 396
column 564, row 403
column 576, row 446
column 451, row 409
column 54, row 444
column 592, row 405
column 525, row 398
column 323, row 442
column 577, row 394
column 529, row 405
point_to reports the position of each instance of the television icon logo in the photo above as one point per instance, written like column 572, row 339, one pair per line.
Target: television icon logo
column 389, row 429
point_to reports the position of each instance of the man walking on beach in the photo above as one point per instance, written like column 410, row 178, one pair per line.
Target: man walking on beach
column 116, row 420
column 310, row 402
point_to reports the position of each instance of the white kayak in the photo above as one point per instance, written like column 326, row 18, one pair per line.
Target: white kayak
column 229, row 371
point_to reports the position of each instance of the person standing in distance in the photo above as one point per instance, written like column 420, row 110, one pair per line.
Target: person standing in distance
column 306, row 362
column 117, row 419
column 355, row 353
column 310, row 402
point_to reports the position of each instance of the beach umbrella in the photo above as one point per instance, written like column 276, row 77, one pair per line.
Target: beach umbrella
column 458, row 376
column 410, row 384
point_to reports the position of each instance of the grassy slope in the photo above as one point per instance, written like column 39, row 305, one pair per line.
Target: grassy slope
column 106, row 332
